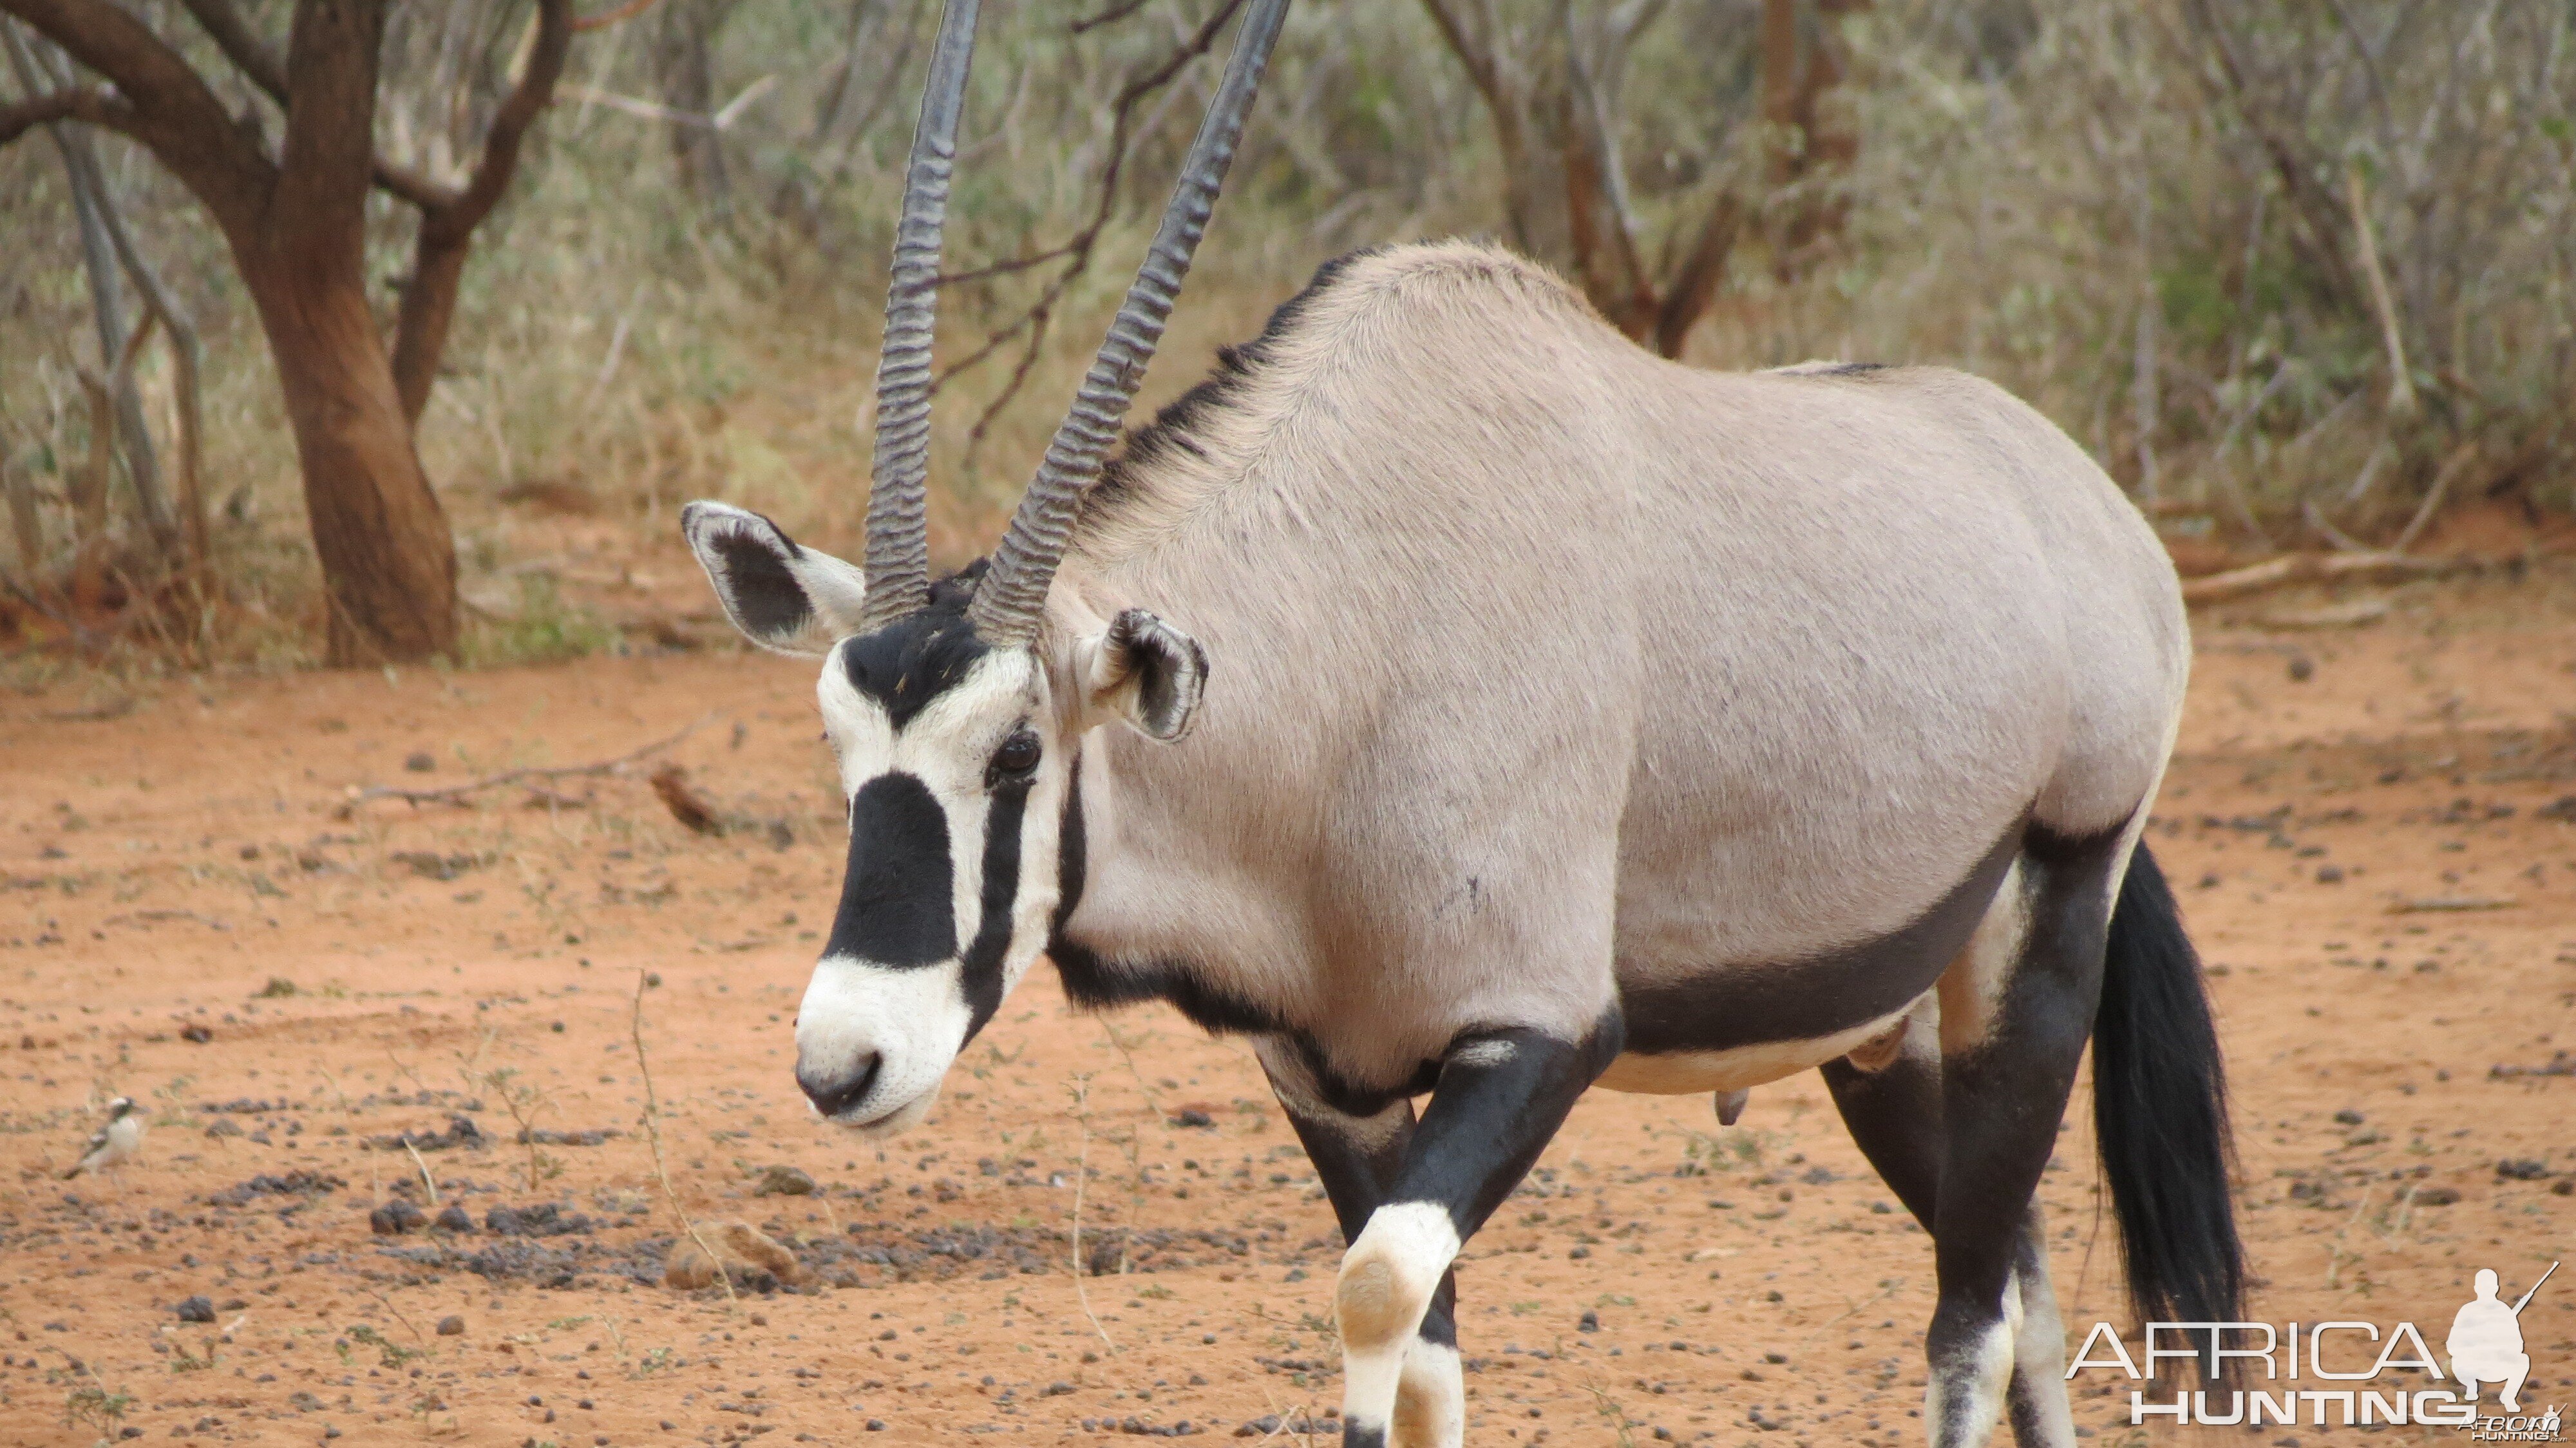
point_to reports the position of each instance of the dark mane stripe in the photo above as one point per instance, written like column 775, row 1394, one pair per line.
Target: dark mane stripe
column 1175, row 428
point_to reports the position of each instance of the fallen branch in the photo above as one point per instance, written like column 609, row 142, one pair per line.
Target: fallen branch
column 458, row 793
column 2312, row 568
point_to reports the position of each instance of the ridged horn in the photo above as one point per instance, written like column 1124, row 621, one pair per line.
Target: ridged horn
column 1012, row 596
column 898, row 557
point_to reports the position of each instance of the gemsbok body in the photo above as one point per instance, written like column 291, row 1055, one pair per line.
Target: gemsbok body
column 1462, row 702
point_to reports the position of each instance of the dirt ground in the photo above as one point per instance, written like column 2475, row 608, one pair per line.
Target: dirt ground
column 2369, row 825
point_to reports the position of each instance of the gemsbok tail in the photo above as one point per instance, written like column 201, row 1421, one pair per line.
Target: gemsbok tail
column 2160, row 1113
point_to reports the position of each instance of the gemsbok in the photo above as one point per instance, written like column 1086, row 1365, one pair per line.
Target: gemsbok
column 1459, row 701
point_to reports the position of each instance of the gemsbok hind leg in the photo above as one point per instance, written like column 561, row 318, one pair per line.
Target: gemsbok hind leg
column 1893, row 1106
column 1502, row 1094
column 1358, row 1158
column 2016, row 1009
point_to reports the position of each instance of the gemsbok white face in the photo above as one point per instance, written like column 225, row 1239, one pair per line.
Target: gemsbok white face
column 956, row 709
column 956, row 761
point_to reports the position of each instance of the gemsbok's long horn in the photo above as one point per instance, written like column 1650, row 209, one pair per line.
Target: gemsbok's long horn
column 898, row 557
column 1010, row 600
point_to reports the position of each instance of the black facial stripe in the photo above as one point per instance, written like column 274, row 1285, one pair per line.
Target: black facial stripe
column 1070, row 858
column 982, row 979
column 766, row 597
column 916, row 658
column 898, row 904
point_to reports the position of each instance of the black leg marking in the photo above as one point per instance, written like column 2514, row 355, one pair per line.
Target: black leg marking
column 1500, row 1098
column 2002, row 1099
column 1895, row 1115
column 1358, row 1159
column 1501, row 1095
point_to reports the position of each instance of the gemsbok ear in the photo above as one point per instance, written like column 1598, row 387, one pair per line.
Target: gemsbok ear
column 1148, row 673
column 786, row 598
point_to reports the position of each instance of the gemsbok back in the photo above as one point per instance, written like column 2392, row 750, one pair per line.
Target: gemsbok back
column 1462, row 702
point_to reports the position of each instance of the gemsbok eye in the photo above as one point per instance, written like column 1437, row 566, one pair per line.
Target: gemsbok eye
column 1017, row 756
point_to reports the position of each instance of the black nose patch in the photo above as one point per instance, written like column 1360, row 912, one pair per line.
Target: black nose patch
column 898, row 905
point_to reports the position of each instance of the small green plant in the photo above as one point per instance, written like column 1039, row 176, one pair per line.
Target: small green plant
column 524, row 1101
column 184, row 1361
column 394, row 1353
column 168, row 1109
column 94, row 1405
column 1613, row 1414
column 544, row 627
column 1706, row 1154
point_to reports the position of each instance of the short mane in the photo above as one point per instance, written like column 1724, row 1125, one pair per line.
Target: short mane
column 1201, row 441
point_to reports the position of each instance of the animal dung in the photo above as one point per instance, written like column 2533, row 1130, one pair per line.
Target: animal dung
column 781, row 1180
column 690, row 808
column 739, row 1250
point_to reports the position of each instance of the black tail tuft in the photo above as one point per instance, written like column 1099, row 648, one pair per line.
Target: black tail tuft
column 2160, row 1113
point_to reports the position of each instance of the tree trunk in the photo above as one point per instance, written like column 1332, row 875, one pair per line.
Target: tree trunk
column 388, row 561
column 428, row 309
column 685, row 59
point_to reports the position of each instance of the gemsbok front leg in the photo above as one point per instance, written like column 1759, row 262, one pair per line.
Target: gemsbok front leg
column 1501, row 1095
column 1358, row 1158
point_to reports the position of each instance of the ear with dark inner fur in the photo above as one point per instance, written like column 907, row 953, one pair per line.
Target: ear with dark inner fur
column 783, row 597
column 1149, row 674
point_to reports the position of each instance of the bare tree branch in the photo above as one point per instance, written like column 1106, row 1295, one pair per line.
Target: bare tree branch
column 95, row 104
column 535, row 91
column 617, row 16
column 260, row 64
column 160, row 101
column 1075, row 251
column 1111, row 16
column 447, row 229
column 1475, row 53
column 249, row 54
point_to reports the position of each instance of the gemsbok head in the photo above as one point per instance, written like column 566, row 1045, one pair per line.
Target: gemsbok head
column 952, row 706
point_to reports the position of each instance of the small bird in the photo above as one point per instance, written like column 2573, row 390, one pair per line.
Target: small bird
column 114, row 1144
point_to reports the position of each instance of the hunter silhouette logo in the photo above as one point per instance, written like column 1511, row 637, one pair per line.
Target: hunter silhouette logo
column 2486, row 1342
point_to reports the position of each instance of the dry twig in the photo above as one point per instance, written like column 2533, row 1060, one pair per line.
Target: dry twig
column 1081, row 1176
column 653, row 1135
column 457, row 793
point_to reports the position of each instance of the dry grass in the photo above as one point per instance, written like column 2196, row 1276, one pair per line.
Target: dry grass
column 2049, row 196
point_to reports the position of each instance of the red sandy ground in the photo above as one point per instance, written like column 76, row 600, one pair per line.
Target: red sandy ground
column 159, row 866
